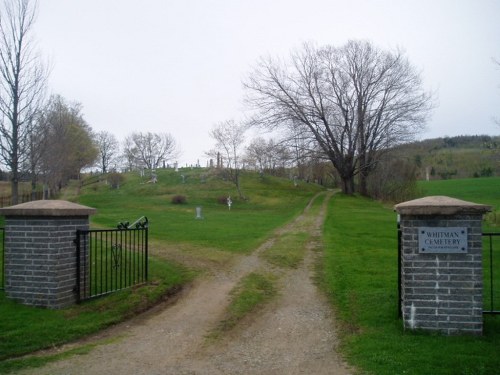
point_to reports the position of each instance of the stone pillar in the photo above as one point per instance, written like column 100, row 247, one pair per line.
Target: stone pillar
column 441, row 265
column 40, row 255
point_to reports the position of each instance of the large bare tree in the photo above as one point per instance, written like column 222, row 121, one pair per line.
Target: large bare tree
column 353, row 101
column 22, row 82
column 149, row 150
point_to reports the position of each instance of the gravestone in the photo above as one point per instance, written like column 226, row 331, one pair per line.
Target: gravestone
column 198, row 213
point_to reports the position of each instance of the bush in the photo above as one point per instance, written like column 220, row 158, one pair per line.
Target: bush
column 222, row 199
column 393, row 180
column 178, row 199
column 115, row 180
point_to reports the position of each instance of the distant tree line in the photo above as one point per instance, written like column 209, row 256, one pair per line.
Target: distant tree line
column 453, row 157
column 338, row 115
column 48, row 141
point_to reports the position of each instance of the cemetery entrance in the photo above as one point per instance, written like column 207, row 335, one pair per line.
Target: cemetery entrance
column 111, row 259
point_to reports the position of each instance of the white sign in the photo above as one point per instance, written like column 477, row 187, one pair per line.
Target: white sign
column 442, row 240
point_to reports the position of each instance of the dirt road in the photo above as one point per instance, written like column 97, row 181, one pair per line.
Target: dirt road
column 294, row 334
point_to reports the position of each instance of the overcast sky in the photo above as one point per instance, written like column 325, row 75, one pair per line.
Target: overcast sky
column 177, row 66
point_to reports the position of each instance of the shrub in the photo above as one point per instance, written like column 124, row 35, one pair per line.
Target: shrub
column 115, row 180
column 178, row 199
column 222, row 199
column 393, row 180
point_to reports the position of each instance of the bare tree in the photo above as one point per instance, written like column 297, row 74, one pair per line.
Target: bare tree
column 256, row 154
column 229, row 137
column 22, row 83
column 267, row 156
column 149, row 150
column 353, row 102
column 109, row 149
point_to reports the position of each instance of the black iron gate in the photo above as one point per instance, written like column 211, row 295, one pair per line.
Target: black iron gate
column 491, row 286
column 111, row 259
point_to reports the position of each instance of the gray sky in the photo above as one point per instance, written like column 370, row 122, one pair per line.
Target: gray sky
column 177, row 66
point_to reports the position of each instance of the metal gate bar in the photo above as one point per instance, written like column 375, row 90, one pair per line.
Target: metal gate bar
column 492, row 310
column 111, row 259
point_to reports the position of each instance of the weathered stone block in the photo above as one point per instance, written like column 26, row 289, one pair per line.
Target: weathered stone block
column 441, row 291
column 40, row 256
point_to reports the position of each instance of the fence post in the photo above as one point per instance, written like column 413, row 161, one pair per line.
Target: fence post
column 442, row 269
column 40, row 253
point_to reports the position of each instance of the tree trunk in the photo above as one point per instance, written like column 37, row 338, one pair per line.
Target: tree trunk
column 14, row 180
column 347, row 184
column 33, row 186
column 363, row 182
column 14, row 189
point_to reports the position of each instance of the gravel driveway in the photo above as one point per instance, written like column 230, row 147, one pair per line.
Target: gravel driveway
column 294, row 334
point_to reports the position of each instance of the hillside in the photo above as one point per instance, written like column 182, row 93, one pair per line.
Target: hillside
column 453, row 157
column 171, row 203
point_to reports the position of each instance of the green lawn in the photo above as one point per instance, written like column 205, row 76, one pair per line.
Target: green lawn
column 478, row 190
column 359, row 273
column 359, row 269
column 269, row 203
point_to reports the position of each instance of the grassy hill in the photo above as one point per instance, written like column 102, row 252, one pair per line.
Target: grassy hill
column 454, row 157
column 269, row 202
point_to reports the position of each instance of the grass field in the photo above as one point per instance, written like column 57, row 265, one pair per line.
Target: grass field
column 358, row 270
column 270, row 202
column 359, row 273
column 478, row 190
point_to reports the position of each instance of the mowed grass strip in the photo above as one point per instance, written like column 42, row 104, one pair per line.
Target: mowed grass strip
column 39, row 361
column 359, row 273
column 288, row 249
column 251, row 293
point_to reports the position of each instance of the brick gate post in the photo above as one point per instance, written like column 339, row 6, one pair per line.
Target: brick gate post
column 40, row 254
column 441, row 265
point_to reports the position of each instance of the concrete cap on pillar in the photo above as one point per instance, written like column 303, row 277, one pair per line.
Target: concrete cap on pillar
column 48, row 208
column 440, row 205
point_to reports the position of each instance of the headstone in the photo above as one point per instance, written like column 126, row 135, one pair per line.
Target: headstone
column 198, row 213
